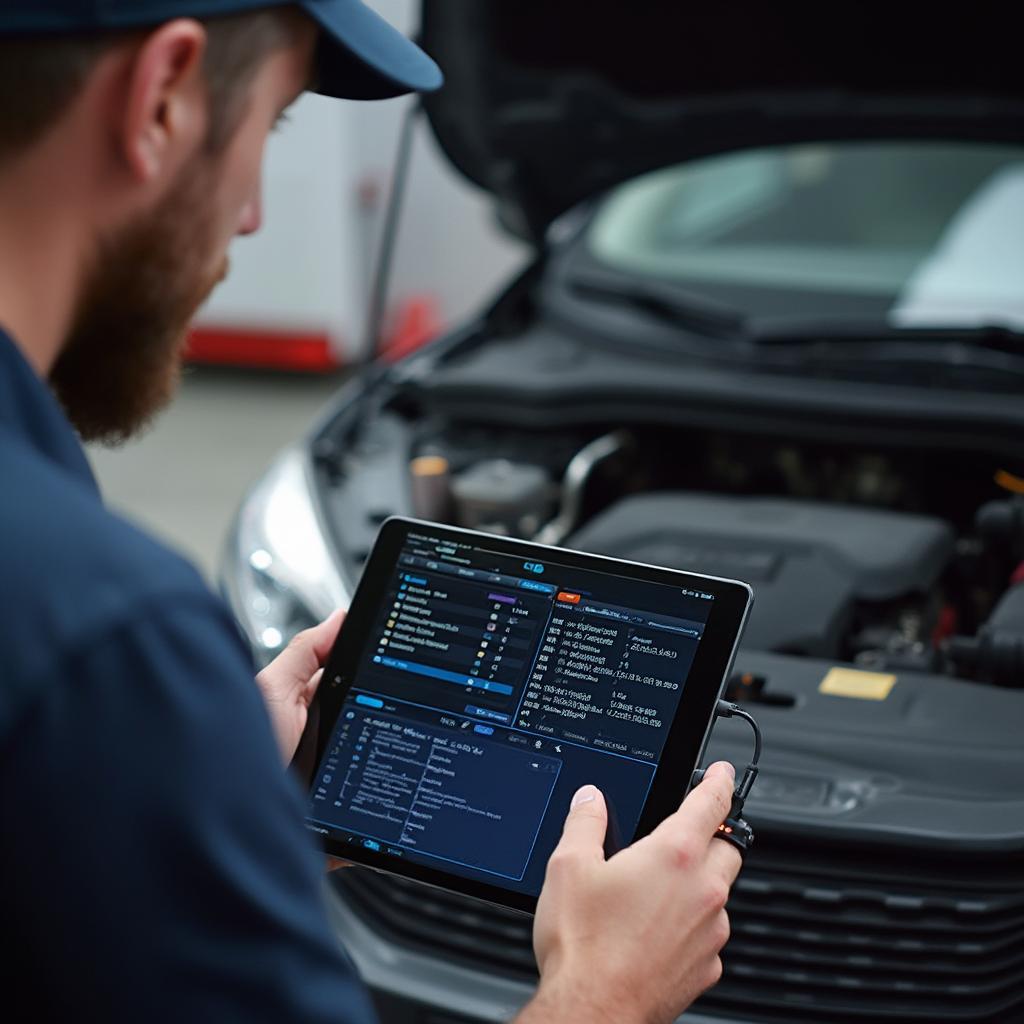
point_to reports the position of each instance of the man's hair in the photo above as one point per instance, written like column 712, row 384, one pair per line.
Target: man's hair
column 40, row 75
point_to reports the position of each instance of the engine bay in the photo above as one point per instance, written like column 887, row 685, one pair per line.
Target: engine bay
column 889, row 560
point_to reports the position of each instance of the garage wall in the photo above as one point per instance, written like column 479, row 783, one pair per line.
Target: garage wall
column 327, row 176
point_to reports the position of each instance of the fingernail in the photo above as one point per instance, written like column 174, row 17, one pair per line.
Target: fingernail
column 584, row 795
column 725, row 766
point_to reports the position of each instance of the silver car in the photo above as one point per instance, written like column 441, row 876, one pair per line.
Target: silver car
column 774, row 330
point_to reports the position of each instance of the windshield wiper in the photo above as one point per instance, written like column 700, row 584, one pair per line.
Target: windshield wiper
column 992, row 350
column 853, row 330
column 665, row 301
column 852, row 336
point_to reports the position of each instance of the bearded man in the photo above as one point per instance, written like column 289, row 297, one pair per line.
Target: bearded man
column 154, row 862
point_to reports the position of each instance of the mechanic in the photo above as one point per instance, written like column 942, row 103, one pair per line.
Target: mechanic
column 155, row 865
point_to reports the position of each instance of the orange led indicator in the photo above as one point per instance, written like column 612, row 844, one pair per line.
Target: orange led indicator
column 570, row 598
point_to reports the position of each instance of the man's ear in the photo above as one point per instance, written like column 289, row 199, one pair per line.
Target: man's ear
column 165, row 113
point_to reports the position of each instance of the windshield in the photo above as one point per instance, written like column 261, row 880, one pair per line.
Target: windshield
column 921, row 233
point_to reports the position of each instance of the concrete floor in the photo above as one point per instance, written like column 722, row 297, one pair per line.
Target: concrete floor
column 184, row 478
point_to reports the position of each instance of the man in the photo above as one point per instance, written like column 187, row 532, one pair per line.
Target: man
column 154, row 862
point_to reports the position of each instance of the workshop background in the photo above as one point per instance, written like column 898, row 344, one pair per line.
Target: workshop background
column 271, row 346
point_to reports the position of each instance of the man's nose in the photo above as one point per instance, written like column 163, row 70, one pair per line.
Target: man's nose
column 252, row 217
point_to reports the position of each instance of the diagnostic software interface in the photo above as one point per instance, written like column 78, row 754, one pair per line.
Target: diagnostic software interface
column 492, row 690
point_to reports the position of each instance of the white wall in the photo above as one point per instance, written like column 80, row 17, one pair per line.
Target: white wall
column 310, row 267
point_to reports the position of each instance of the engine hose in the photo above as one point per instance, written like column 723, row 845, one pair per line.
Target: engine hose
column 990, row 657
column 574, row 483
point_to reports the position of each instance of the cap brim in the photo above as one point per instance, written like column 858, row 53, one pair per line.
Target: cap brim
column 362, row 57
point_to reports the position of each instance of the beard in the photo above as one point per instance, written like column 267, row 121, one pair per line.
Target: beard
column 121, row 363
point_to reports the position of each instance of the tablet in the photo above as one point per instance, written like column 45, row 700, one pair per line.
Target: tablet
column 478, row 682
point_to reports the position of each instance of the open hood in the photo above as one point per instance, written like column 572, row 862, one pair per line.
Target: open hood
column 546, row 104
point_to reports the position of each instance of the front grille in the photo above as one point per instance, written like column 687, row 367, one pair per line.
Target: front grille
column 818, row 934
column 441, row 923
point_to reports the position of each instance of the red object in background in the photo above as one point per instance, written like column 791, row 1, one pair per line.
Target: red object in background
column 945, row 625
column 1018, row 575
column 308, row 352
column 416, row 321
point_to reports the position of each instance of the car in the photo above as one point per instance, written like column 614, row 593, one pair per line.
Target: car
column 773, row 329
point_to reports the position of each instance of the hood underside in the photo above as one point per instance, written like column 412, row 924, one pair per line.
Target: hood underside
column 546, row 105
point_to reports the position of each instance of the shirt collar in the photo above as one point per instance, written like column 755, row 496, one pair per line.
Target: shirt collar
column 29, row 409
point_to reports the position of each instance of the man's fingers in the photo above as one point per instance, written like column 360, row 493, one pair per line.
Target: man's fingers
column 313, row 685
column 586, row 824
column 322, row 637
column 706, row 806
column 308, row 650
column 725, row 861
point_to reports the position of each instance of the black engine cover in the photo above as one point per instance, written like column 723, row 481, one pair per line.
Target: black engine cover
column 809, row 563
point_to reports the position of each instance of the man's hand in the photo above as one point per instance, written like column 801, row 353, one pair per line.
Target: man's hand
column 290, row 681
column 635, row 938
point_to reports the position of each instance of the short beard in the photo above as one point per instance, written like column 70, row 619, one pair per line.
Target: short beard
column 122, row 361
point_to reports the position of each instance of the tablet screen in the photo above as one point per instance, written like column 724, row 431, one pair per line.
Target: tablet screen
column 489, row 689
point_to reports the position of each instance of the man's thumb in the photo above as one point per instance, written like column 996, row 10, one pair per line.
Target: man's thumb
column 586, row 823
column 323, row 636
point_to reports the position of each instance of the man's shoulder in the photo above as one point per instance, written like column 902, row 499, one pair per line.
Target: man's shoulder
column 71, row 568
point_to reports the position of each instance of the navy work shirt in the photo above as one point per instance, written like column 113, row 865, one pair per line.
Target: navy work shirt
column 153, row 863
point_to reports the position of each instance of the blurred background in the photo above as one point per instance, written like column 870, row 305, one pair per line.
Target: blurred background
column 278, row 336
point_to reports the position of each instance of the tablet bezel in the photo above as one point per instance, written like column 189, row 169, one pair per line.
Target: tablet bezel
column 687, row 737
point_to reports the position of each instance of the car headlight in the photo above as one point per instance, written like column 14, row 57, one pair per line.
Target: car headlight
column 279, row 573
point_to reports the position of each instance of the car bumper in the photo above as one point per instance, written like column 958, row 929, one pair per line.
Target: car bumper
column 414, row 987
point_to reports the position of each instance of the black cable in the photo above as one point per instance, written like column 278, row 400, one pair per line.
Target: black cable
column 726, row 709
column 735, row 829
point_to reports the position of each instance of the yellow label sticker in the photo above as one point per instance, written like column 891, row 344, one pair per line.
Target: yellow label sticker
column 851, row 682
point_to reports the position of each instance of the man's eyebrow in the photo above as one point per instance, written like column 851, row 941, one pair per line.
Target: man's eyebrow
column 289, row 103
column 312, row 77
column 307, row 86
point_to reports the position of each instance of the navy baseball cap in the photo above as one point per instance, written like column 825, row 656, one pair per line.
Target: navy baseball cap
column 360, row 57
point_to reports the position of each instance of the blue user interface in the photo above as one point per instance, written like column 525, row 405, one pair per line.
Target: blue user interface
column 491, row 691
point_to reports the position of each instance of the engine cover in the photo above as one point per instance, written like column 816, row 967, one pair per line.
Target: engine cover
column 809, row 563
